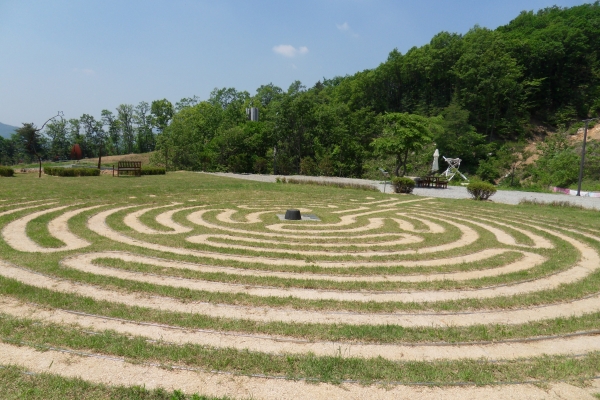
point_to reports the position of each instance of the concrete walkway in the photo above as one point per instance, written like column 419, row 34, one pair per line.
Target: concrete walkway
column 453, row 192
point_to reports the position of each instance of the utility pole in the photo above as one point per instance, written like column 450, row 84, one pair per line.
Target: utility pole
column 583, row 154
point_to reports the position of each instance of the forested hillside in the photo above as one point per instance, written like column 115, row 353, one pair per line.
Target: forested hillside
column 479, row 95
column 6, row 130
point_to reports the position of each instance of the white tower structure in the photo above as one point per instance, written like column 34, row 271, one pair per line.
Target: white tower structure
column 252, row 114
column 453, row 165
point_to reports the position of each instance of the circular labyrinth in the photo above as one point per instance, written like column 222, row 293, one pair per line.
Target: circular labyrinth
column 251, row 281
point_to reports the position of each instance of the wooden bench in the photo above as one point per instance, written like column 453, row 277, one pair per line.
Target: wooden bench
column 128, row 167
column 431, row 182
column 442, row 184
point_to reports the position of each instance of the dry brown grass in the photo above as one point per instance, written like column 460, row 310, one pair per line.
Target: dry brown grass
column 144, row 158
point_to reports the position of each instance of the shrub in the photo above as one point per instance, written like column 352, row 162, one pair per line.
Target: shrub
column 260, row 165
column 153, row 170
column 5, row 171
column 489, row 170
column 563, row 204
column 403, row 185
column 58, row 171
column 326, row 167
column 308, row 166
column 341, row 185
column 238, row 163
column 481, row 190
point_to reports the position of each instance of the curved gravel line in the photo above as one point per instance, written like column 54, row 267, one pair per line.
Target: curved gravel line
column 16, row 210
column 469, row 235
column 132, row 220
column 404, row 239
column 414, row 296
column 252, row 218
column 578, row 307
column 97, row 224
column 345, row 220
column 15, row 235
column 573, row 344
column 432, row 227
column 529, row 260
column 115, row 371
column 165, row 219
column 539, row 242
column 197, row 218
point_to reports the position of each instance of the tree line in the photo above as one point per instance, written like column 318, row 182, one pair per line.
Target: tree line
column 130, row 129
column 476, row 96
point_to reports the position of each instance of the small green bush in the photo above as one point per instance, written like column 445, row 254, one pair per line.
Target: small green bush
column 403, row 185
column 5, row 171
column 480, row 190
column 58, row 171
column 153, row 170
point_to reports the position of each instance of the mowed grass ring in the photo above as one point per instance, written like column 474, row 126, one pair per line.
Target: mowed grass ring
column 388, row 289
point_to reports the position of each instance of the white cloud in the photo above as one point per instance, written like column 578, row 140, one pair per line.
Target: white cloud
column 287, row 50
column 84, row 71
column 343, row 27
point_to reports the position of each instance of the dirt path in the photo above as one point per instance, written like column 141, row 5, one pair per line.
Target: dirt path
column 165, row 219
column 529, row 260
column 590, row 261
column 512, row 349
column 509, row 317
column 587, row 265
column 97, row 224
column 356, row 223
column 114, row 371
column 539, row 242
column 15, row 233
column 16, row 210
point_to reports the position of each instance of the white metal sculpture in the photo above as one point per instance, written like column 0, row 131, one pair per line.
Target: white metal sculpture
column 453, row 165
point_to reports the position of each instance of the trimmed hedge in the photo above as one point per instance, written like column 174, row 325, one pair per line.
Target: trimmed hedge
column 5, row 171
column 153, row 171
column 58, row 171
column 403, row 185
column 341, row 185
column 481, row 190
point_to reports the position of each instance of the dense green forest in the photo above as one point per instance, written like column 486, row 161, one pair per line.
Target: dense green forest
column 477, row 96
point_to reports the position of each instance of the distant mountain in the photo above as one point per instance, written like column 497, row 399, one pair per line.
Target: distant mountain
column 6, row 130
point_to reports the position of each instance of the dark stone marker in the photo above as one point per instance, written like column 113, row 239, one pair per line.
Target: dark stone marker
column 293, row 215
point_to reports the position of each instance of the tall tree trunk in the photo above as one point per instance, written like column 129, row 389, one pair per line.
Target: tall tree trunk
column 166, row 160
column 40, row 170
column 405, row 160
column 493, row 125
column 99, row 157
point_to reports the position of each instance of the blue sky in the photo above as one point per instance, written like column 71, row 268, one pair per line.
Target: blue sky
column 87, row 55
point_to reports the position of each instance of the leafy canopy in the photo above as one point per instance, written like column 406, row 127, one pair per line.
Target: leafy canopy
column 402, row 133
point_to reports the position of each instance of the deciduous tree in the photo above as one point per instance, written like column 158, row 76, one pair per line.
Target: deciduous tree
column 125, row 116
column 95, row 134
column 402, row 134
column 31, row 139
column 113, row 129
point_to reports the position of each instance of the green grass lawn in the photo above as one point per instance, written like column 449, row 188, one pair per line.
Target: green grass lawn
column 326, row 248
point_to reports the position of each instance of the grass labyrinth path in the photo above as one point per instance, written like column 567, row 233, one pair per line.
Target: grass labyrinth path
column 192, row 282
